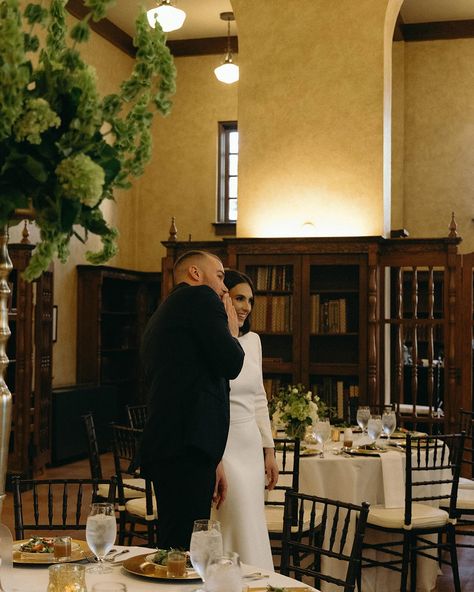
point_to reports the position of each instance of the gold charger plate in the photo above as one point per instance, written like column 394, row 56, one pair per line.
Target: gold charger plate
column 309, row 452
column 365, row 452
column 402, row 435
column 140, row 564
column 79, row 550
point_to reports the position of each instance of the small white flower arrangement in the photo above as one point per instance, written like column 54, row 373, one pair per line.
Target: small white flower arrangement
column 296, row 408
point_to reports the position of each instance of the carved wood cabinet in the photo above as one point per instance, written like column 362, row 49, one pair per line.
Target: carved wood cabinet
column 29, row 373
column 374, row 318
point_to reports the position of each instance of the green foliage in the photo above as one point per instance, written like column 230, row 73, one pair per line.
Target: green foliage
column 63, row 148
column 294, row 406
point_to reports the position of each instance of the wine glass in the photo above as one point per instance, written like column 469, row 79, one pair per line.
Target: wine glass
column 101, row 530
column 223, row 573
column 363, row 416
column 206, row 543
column 389, row 422
column 322, row 433
column 374, row 427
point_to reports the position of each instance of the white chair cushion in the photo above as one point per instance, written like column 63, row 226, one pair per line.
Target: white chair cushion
column 423, row 516
column 103, row 489
column 137, row 507
column 274, row 516
column 465, row 499
column 465, row 483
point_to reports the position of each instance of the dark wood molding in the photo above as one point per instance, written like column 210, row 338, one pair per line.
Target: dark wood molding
column 225, row 228
column 104, row 28
column 205, row 46
column 438, row 30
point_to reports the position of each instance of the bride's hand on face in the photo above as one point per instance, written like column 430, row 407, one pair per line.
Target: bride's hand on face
column 271, row 468
column 231, row 315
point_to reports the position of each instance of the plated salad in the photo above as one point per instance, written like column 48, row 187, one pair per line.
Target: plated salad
column 37, row 544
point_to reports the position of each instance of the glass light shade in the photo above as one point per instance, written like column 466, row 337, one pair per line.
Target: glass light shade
column 227, row 72
column 169, row 17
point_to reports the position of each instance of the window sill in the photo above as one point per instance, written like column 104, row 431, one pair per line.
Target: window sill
column 225, row 228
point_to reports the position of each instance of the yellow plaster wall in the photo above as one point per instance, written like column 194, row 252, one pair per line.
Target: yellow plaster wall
column 181, row 178
column 311, row 117
column 439, row 138
column 398, row 133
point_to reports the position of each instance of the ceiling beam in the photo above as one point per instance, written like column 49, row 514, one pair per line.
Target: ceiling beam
column 206, row 46
column 104, row 28
column 438, row 30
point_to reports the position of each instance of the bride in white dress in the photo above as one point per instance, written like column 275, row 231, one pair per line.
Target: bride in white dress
column 249, row 457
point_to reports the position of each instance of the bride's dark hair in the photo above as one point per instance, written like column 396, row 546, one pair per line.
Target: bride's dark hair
column 233, row 278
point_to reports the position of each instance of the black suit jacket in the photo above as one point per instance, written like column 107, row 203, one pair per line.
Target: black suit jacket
column 188, row 355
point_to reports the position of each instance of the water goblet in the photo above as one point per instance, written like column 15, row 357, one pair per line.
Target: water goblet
column 101, row 530
column 389, row 422
column 363, row 416
column 374, row 427
column 322, row 433
column 223, row 573
column 206, row 543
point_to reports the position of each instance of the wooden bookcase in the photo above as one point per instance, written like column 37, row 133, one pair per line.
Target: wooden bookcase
column 29, row 373
column 113, row 307
column 337, row 314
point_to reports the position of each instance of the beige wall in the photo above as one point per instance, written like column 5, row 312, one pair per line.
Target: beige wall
column 439, row 138
column 311, row 117
column 398, row 133
column 180, row 180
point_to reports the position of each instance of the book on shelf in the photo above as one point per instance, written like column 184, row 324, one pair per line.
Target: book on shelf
column 341, row 398
column 273, row 277
column 329, row 316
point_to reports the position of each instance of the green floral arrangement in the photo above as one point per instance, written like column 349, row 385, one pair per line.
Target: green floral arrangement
column 63, row 148
column 295, row 407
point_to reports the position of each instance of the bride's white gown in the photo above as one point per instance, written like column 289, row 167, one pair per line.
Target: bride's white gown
column 242, row 515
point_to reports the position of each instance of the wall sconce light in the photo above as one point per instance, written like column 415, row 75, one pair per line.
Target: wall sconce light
column 227, row 72
column 169, row 17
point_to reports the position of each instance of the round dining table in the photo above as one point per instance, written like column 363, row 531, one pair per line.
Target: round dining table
column 34, row 578
column 356, row 479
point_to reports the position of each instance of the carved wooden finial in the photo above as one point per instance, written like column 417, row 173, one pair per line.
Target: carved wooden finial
column 173, row 231
column 25, row 234
column 452, row 227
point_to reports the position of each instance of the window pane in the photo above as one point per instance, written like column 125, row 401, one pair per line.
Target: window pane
column 234, row 142
column 232, row 187
column 233, row 164
column 233, row 209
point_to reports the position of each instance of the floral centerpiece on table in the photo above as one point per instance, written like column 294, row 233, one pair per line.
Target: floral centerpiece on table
column 63, row 148
column 296, row 408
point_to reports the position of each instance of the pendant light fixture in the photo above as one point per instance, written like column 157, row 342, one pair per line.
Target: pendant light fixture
column 169, row 17
column 227, row 72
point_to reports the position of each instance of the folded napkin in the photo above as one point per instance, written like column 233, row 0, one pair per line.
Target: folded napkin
column 393, row 479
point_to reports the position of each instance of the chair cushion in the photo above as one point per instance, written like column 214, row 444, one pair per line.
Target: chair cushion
column 465, row 499
column 137, row 507
column 465, row 483
column 423, row 516
column 103, row 489
column 274, row 516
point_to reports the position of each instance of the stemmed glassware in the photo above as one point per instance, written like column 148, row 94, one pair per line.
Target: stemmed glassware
column 223, row 573
column 389, row 422
column 374, row 427
column 322, row 433
column 363, row 416
column 206, row 543
column 101, row 530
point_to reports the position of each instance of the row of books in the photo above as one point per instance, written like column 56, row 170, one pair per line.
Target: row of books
column 272, row 313
column 328, row 316
column 271, row 386
column 273, row 277
column 339, row 396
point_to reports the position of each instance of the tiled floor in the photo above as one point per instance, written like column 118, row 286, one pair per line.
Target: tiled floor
column 80, row 469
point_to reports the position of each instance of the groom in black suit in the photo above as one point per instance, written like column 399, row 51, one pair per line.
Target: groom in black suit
column 190, row 351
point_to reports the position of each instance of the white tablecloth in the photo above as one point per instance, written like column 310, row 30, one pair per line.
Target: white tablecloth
column 355, row 480
column 35, row 579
